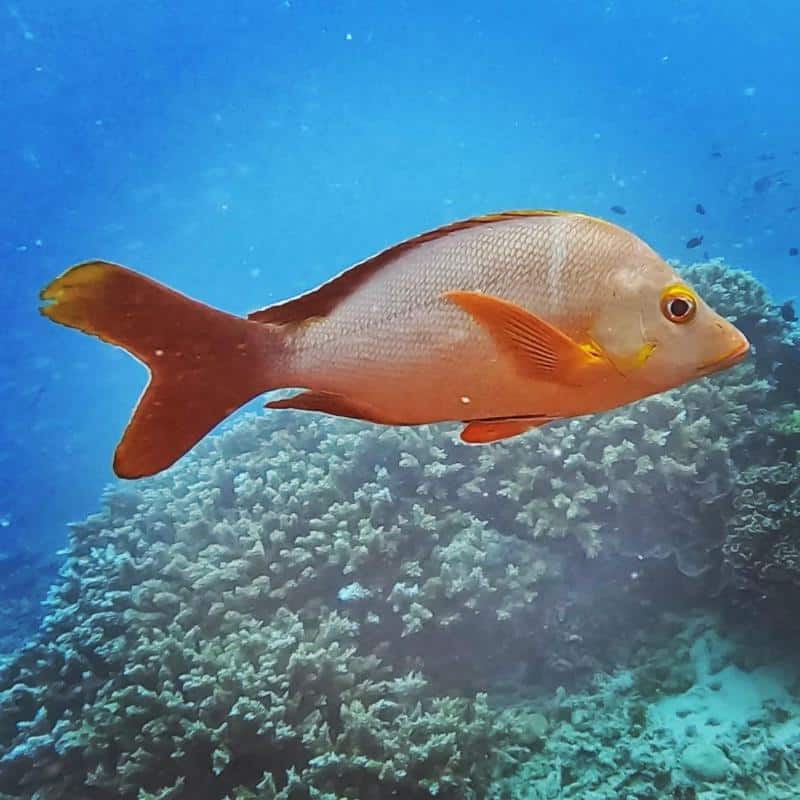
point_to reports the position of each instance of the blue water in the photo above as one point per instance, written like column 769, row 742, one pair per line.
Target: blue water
column 245, row 151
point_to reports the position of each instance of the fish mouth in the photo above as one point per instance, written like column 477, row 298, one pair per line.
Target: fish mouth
column 734, row 357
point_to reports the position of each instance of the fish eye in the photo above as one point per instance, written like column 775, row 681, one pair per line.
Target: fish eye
column 678, row 304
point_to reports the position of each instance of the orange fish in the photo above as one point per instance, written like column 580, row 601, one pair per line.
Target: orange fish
column 506, row 321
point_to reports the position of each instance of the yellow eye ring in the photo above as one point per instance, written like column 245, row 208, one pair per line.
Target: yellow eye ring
column 678, row 304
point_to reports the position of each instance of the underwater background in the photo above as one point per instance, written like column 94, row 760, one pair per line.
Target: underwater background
column 312, row 608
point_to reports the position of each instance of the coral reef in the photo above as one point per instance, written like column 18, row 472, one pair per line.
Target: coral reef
column 787, row 423
column 25, row 576
column 313, row 608
column 703, row 717
column 205, row 638
column 762, row 548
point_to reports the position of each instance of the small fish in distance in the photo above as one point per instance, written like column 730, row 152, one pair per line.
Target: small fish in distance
column 716, row 154
column 619, row 209
column 788, row 312
column 765, row 182
column 700, row 208
column 793, row 251
column 760, row 185
column 695, row 241
column 504, row 322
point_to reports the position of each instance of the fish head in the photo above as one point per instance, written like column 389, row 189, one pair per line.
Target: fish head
column 659, row 331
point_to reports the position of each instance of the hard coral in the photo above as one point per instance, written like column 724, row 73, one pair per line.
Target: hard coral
column 762, row 548
column 198, row 644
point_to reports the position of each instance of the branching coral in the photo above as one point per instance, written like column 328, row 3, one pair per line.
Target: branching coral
column 201, row 644
column 762, row 548
column 181, row 690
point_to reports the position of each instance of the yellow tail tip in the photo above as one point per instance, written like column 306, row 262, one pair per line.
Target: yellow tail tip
column 67, row 298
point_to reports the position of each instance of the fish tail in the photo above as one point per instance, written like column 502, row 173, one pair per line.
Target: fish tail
column 203, row 363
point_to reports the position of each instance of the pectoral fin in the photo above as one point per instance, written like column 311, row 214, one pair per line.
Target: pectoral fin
column 493, row 430
column 540, row 349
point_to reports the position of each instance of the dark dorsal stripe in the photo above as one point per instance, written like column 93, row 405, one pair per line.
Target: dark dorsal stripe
column 321, row 301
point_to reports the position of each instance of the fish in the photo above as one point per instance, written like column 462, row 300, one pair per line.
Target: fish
column 619, row 209
column 792, row 209
column 762, row 184
column 716, row 154
column 695, row 241
column 700, row 208
column 793, row 251
column 788, row 313
column 503, row 322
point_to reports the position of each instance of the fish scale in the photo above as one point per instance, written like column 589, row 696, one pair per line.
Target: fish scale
column 400, row 314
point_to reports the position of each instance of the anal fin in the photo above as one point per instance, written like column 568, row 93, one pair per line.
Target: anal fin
column 483, row 431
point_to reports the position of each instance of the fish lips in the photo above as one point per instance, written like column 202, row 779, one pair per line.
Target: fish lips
column 739, row 353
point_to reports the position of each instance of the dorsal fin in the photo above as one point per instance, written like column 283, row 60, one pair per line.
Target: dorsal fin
column 321, row 301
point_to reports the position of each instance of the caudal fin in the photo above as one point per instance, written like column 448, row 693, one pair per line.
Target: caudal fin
column 204, row 363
